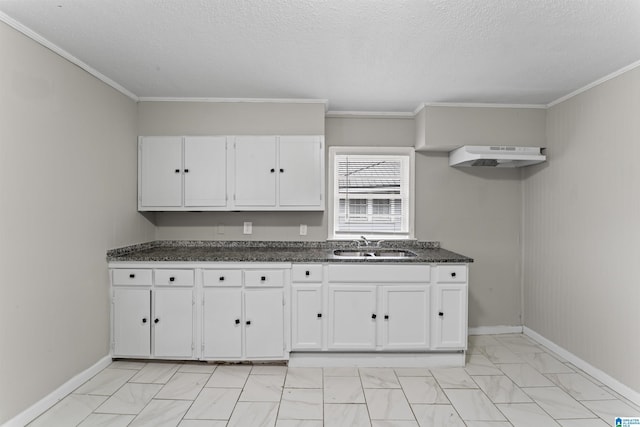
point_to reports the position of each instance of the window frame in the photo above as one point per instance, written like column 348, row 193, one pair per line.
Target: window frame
column 333, row 200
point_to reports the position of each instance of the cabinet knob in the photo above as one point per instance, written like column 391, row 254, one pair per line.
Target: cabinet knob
column 453, row 274
column 156, row 320
column 386, row 317
column 186, row 171
column 373, row 316
column 441, row 314
column 221, row 278
column 307, row 273
column 237, row 321
column 177, row 170
column 172, row 279
column 131, row 276
column 248, row 322
column 281, row 170
column 319, row 315
column 273, row 170
column 263, row 278
column 144, row 320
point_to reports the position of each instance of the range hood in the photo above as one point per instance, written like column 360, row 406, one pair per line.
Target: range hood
column 498, row 156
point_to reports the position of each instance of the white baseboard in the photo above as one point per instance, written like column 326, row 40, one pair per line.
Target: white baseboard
column 58, row 394
column 596, row 373
column 495, row 330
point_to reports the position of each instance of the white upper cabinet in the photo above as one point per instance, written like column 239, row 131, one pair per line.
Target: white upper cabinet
column 250, row 173
column 205, row 171
column 256, row 171
column 301, row 172
column 279, row 173
column 182, row 173
column 159, row 172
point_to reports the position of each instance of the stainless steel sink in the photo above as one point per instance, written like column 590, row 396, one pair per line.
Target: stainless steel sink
column 394, row 253
column 374, row 253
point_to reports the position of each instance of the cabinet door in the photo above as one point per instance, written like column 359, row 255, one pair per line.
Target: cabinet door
column 306, row 317
column 173, row 323
column 131, row 322
column 301, row 171
column 405, row 317
column 352, row 317
column 205, row 171
column 160, row 172
column 222, row 323
column 450, row 317
column 264, row 323
column 255, row 171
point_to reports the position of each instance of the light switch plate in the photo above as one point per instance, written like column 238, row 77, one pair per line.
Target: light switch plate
column 248, row 227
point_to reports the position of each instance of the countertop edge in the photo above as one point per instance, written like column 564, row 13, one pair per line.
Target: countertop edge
column 198, row 251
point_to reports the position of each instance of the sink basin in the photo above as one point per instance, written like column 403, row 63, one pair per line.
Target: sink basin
column 377, row 253
column 394, row 253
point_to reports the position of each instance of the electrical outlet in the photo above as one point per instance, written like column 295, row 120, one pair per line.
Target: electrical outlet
column 303, row 229
column 248, row 227
column 220, row 229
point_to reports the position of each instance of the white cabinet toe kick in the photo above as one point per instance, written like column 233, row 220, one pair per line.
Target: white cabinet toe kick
column 335, row 314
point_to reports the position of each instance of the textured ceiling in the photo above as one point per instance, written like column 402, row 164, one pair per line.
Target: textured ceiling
column 360, row 55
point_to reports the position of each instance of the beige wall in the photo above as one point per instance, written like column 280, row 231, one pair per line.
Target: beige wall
column 67, row 164
column 230, row 118
column 446, row 128
column 472, row 211
column 582, row 229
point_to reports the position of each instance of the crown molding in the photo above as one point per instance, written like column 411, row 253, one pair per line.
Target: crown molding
column 369, row 114
column 64, row 54
column 594, row 84
column 236, row 100
column 477, row 105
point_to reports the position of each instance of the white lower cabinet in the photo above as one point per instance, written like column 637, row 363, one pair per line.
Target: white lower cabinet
column 450, row 320
column 173, row 323
column 243, row 314
column 152, row 320
column 131, row 330
column 306, row 317
column 250, row 311
column 222, row 324
column 264, row 324
column 382, row 307
column 352, row 317
column 241, row 324
column 406, row 312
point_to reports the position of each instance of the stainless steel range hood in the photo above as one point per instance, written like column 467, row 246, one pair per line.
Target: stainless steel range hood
column 498, row 156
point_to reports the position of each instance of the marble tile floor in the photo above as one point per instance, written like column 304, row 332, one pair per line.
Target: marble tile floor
column 509, row 380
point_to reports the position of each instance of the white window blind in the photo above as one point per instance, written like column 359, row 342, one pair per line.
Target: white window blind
column 371, row 194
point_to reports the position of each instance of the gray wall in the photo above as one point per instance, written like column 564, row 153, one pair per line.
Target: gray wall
column 67, row 164
column 582, row 229
column 471, row 211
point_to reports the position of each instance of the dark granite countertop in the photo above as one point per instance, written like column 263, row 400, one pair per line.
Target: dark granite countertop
column 272, row 251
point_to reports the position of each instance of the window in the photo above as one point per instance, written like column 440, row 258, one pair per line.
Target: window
column 372, row 192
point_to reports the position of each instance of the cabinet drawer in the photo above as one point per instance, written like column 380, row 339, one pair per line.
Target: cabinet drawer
column 311, row 273
column 379, row 273
column 260, row 278
column 131, row 276
column 222, row 277
column 173, row 278
column 452, row 273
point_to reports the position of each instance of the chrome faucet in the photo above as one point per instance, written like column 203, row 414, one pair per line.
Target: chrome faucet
column 363, row 242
